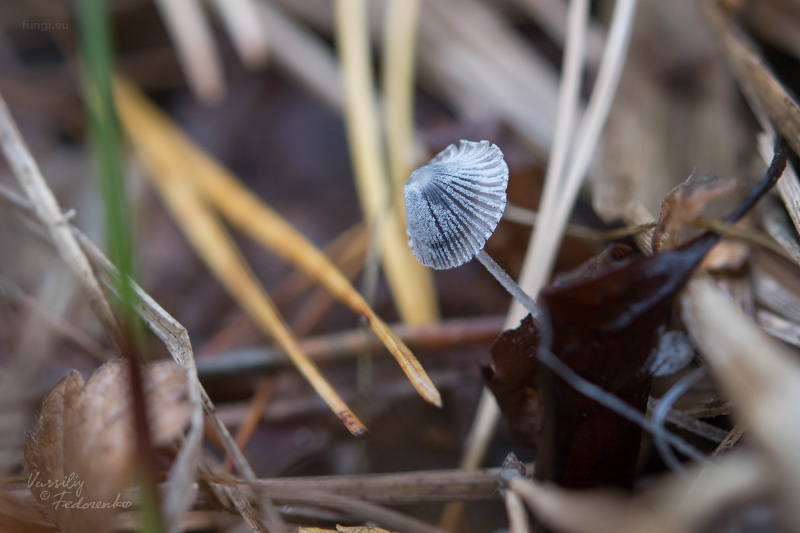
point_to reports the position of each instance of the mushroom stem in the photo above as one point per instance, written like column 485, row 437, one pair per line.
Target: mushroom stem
column 509, row 284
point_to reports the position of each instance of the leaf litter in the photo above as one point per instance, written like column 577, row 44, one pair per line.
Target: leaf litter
column 699, row 494
column 603, row 323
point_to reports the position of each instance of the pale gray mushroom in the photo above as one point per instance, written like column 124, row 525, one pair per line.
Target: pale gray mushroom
column 453, row 205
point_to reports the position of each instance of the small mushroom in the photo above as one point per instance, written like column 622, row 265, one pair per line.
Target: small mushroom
column 453, row 205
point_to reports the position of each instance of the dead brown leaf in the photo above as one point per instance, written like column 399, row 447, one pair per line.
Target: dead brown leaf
column 81, row 456
column 683, row 204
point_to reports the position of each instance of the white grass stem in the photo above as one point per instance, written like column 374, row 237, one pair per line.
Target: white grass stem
column 488, row 412
column 544, row 250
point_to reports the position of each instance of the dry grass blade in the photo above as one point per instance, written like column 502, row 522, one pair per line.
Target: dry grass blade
column 775, row 223
column 473, row 56
column 411, row 284
column 779, row 327
column 541, row 250
column 400, row 488
column 756, row 80
column 174, row 336
column 789, row 189
column 676, row 503
column 44, row 202
column 219, row 252
column 257, row 220
column 398, row 83
column 194, row 43
column 762, row 380
column 544, row 242
column 366, row 510
column 241, row 20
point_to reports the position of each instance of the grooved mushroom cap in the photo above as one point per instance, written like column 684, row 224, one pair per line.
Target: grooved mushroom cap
column 453, row 203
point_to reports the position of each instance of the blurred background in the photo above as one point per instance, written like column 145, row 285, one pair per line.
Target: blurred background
column 258, row 85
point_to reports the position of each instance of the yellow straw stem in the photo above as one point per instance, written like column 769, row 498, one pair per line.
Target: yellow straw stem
column 410, row 283
column 165, row 149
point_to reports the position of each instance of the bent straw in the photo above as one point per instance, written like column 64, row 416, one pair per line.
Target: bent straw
column 253, row 217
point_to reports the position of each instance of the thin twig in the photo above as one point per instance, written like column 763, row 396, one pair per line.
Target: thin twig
column 346, row 345
column 660, row 416
column 608, row 400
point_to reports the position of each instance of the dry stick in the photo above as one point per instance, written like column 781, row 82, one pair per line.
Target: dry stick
column 176, row 339
column 404, row 488
column 346, row 345
column 410, row 283
column 254, row 218
column 769, row 101
column 731, row 439
column 49, row 213
column 520, row 215
column 366, row 510
column 545, row 240
column 749, row 235
column 529, row 217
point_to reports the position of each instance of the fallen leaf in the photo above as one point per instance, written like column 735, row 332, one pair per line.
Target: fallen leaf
column 81, row 457
column 512, row 380
column 683, row 204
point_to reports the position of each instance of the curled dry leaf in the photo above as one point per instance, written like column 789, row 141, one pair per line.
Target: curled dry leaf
column 684, row 203
column 81, row 456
